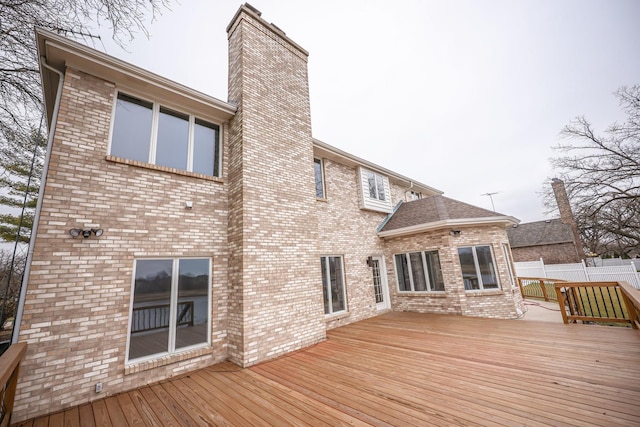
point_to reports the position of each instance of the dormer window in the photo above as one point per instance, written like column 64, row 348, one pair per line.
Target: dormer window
column 376, row 192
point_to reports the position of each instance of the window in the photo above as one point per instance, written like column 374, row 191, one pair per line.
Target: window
column 415, row 195
column 151, row 133
column 376, row 192
column 335, row 300
column 507, row 257
column 478, row 268
column 317, row 167
column 170, row 306
column 376, row 186
column 419, row 272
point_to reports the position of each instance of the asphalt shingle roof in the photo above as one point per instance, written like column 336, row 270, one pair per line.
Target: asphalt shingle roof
column 433, row 209
column 540, row 233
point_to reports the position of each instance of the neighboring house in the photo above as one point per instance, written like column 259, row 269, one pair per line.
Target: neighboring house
column 556, row 241
column 175, row 230
column 551, row 240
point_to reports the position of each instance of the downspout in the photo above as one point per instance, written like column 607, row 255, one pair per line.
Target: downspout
column 36, row 218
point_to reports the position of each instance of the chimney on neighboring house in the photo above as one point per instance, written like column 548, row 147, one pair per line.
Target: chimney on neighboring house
column 566, row 214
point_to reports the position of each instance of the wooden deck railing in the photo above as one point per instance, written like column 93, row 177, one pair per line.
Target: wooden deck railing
column 9, row 366
column 601, row 302
column 538, row 287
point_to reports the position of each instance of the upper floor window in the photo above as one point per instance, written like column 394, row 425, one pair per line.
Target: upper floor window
column 376, row 192
column 478, row 268
column 319, row 172
column 415, row 195
column 151, row 133
column 419, row 272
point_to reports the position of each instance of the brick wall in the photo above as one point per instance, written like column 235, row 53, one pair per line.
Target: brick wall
column 345, row 229
column 275, row 282
column 502, row 303
column 77, row 305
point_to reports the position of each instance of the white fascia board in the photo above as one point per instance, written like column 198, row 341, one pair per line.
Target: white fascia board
column 448, row 223
column 60, row 52
column 323, row 149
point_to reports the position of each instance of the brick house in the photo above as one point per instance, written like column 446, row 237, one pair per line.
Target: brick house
column 556, row 241
column 175, row 230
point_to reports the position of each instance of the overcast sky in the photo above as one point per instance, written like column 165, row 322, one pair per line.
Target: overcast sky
column 465, row 96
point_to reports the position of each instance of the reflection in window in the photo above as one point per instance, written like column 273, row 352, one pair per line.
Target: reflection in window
column 132, row 128
column 181, row 141
column 333, row 284
column 173, row 139
column 478, row 268
column 419, row 272
column 375, row 183
column 317, row 168
column 160, row 323
column 205, row 148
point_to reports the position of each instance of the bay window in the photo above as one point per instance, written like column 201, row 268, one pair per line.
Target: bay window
column 419, row 272
column 478, row 268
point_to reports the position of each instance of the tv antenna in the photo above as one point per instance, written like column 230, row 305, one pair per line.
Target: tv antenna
column 491, row 198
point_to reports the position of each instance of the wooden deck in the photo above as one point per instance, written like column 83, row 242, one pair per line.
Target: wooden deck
column 404, row 369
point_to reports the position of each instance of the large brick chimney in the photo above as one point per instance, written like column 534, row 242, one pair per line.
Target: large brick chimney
column 275, row 298
column 566, row 214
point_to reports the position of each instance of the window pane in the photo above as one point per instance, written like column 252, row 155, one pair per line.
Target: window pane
column 337, row 287
column 317, row 167
column 371, row 180
column 417, row 271
column 468, row 266
column 402, row 271
column 192, row 316
column 487, row 269
column 151, row 302
column 132, row 128
column 325, row 285
column 173, row 139
column 205, row 148
column 435, row 271
column 380, row 183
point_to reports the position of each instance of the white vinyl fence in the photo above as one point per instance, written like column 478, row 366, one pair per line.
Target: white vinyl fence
column 579, row 272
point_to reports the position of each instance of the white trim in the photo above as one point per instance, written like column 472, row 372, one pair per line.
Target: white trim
column 324, row 150
column 173, row 303
column 430, row 226
column 374, row 203
column 155, row 123
column 344, row 286
column 384, row 283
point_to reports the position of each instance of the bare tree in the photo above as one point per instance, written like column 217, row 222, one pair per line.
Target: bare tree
column 21, row 108
column 602, row 173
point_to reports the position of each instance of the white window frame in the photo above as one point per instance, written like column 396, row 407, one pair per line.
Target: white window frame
column 375, row 203
column 324, row 188
column 479, row 272
column 155, row 120
column 507, row 257
column 328, row 285
column 173, row 303
column 425, row 270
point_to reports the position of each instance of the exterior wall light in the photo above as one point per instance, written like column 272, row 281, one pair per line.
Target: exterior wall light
column 75, row 232
column 370, row 261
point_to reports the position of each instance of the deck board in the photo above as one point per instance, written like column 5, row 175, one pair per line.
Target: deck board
column 404, row 369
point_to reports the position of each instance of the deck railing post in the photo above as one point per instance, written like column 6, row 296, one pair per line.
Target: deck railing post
column 543, row 285
column 562, row 303
column 9, row 368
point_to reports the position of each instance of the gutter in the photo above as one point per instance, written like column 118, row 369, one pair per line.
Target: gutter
column 36, row 219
